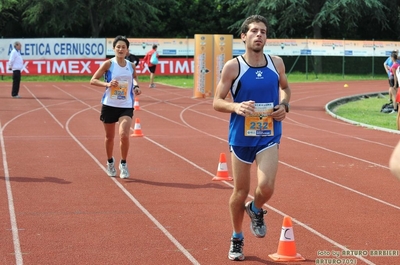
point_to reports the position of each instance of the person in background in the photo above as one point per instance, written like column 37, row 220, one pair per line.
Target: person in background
column 151, row 59
column 16, row 64
column 121, row 86
column 387, row 65
column 261, row 96
column 394, row 162
column 393, row 80
column 397, row 100
column 132, row 58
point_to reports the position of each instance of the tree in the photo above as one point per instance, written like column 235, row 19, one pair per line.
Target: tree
column 69, row 16
column 297, row 17
column 290, row 18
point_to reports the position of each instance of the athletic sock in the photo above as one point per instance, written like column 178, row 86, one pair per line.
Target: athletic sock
column 237, row 235
column 123, row 161
column 254, row 209
column 110, row 160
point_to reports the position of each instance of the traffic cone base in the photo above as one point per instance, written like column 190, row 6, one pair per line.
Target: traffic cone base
column 222, row 172
column 137, row 131
column 287, row 246
column 277, row 257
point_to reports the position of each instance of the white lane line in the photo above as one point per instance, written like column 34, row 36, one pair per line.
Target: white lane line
column 10, row 199
column 44, row 107
column 133, row 199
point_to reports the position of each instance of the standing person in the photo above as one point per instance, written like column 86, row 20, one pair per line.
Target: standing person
column 393, row 81
column 397, row 99
column 16, row 63
column 132, row 58
column 121, row 86
column 151, row 59
column 387, row 64
column 261, row 96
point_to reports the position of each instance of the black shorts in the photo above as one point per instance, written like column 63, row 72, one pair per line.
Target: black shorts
column 391, row 82
column 152, row 69
column 112, row 114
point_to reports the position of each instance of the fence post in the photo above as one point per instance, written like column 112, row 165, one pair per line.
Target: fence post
column 373, row 58
column 344, row 56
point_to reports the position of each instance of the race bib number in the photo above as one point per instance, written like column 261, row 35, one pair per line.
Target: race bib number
column 119, row 92
column 260, row 123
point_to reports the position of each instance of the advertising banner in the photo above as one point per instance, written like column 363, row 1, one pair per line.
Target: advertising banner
column 170, row 66
column 222, row 53
column 56, row 48
column 166, row 47
column 203, row 64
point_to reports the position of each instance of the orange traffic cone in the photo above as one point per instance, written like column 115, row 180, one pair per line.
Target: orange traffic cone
column 137, row 130
column 136, row 104
column 287, row 246
column 222, row 173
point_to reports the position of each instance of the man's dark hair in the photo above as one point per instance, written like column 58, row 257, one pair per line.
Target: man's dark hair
column 251, row 19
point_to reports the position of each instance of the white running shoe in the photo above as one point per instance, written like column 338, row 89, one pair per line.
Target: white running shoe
column 111, row 172
column 124, row 174
column 236, row 249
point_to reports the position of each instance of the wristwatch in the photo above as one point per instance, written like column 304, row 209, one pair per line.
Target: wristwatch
column 287, row 106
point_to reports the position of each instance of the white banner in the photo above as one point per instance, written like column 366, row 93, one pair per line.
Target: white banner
column 88, row 48
column 55, row 48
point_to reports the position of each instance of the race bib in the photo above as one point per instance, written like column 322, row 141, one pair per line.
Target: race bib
column 260, row 123
column 119, row 92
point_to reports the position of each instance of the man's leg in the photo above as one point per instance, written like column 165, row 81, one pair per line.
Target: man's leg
column 267, row 168
column 16, row 83
column 241, row 180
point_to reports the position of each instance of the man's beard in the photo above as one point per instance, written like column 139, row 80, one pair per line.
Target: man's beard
column 258, row 49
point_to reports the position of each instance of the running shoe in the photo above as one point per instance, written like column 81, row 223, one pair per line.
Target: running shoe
column 257, row 225
column 111, row 172
column 236, row 250
column 124, row 174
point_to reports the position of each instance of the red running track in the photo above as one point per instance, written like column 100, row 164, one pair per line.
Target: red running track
column 59, row 207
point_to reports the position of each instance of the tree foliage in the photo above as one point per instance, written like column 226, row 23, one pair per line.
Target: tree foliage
column 309, row 18
column 336, row 19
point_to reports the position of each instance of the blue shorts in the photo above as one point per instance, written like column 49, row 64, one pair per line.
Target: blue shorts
column 247, row 154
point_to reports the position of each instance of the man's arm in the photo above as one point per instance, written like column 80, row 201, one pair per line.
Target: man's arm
column 285, row 92
column 12, row 59
column 386, row 66
column 228, row 74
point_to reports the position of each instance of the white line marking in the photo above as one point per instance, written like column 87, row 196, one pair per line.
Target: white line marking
column 11, row 209
column 133, row 199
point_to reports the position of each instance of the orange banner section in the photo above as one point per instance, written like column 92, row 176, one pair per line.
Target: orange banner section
column 222, row 53
column 203, row 65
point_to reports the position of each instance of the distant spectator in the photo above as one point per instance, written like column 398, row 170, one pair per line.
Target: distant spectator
column 151, row 59
column 387, row 65
column 393, row 80
column 394, row 162
column 132, row 58
column 16, row 63
column 397, row 101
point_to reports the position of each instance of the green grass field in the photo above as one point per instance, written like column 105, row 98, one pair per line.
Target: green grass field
column 365, row 111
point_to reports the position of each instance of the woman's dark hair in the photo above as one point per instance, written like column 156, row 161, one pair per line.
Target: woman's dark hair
column 120, row 37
